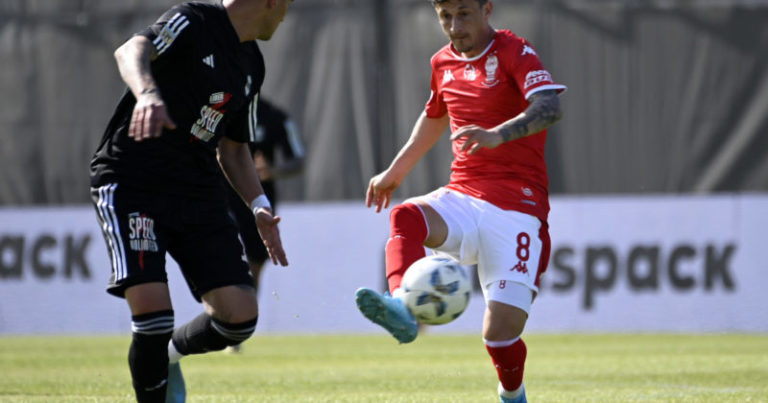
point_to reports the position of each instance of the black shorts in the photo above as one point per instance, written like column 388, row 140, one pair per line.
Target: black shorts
column 246, row 223
column 140, row 228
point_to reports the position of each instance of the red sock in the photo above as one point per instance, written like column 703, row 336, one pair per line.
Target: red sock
column 510, row 362
column 408, row 230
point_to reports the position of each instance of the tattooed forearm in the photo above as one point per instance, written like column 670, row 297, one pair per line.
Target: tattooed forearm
column 543, row 111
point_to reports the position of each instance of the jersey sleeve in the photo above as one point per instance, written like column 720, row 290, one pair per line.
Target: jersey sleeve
column 173, row 31
column 435, row 106
column 244, row 123
column 528, row 72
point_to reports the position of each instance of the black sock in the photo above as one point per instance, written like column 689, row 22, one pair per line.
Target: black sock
column 204, row 333
column 148, row 354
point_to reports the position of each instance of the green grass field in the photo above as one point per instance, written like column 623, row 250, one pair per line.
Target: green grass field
column 435, row 368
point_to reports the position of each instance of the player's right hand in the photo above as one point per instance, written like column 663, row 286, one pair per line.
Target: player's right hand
column 266, row 223
column 380, row 190
column 150, row 116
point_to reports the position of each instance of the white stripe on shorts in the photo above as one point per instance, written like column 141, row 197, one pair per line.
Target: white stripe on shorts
column 111, row 228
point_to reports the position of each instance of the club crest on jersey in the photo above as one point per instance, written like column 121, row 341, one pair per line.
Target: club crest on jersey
column 447, row 76
column 470, row 74
column 141, row 232
column 491, row 66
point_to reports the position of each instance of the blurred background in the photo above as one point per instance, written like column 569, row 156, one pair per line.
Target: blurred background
column 664, row 96
column 660, row 156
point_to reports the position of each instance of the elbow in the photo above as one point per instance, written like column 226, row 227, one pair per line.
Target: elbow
column 556, row 110
column 119, row 53
column 558, row 114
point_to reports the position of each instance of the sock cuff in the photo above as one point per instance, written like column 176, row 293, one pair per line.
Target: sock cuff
column 153, row 323
column 500, row 343
column 235, row 331
column 408, row 218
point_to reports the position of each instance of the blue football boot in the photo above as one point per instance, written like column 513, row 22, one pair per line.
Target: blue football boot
column 389, row 313
column 519, row 399
column 177, row 391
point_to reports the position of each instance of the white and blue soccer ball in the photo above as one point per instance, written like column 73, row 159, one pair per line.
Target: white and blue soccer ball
column 436, row 289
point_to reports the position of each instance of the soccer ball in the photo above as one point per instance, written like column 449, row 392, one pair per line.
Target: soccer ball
column 436, row 289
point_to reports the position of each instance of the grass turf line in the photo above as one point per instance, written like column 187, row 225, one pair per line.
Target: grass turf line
column 365, row 368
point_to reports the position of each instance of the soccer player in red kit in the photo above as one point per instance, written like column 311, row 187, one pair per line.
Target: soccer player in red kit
column 491, row 88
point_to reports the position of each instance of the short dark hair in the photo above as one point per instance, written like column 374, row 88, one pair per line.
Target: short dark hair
column 436, row 2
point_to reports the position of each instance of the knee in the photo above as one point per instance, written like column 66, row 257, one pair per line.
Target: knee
column 503, row 324
column 408, row 220
column 405, row 213
column 502, row 332
column 232, row 304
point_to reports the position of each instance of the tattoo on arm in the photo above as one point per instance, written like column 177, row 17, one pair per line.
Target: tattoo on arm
column 543, row 111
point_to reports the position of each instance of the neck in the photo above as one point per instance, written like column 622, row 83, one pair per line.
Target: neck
column 244, row 17
column 485, row 39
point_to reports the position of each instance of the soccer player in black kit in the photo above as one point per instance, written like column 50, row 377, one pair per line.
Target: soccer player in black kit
column 193, row 79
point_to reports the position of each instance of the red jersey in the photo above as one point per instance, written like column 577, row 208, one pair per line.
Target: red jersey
column 487, row 90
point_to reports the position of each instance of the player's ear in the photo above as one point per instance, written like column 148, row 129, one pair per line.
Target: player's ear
column 488, row 8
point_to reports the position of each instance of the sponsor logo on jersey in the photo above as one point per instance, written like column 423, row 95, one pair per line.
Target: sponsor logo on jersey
column 216, row 98
column 527, row 191
column 491, row 66
column 209, row 60
column 141, row 232
column 470, row 74
column 205, row 127
column 447, row 76
column 170, row 32
column 535, row 77
column 210, row 116
column 527, row 50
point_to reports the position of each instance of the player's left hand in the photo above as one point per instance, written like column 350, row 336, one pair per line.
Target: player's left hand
column 270, row 235
column 475, row 138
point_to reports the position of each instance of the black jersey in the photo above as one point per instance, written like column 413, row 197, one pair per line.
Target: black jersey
column 209, row 81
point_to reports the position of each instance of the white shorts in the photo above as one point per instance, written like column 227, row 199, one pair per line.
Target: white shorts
column 506, row 245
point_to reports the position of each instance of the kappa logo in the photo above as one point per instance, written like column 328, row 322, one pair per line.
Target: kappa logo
column 527, row 50
column 448, row 76
column 209, row 60
column 520, row 267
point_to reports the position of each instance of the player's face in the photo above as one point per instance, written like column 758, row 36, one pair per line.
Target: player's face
column 276, row 16
column 465, row 23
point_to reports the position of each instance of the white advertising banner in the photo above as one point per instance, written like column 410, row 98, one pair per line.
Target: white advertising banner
column 618, row 264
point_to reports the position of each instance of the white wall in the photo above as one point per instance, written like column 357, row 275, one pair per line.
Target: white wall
column 626, row 264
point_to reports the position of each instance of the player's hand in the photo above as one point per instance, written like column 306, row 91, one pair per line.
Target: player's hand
column 380, row 190
column 270, row 235
column 149, row 118
column 475, row 138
